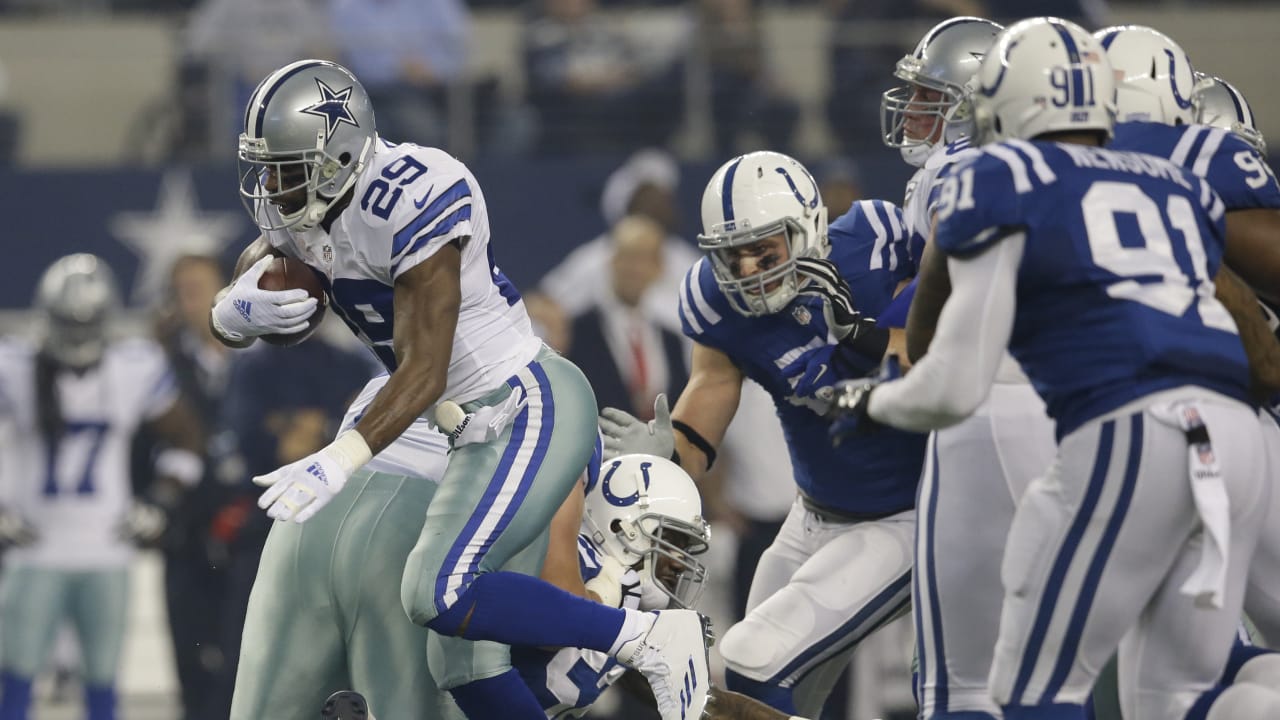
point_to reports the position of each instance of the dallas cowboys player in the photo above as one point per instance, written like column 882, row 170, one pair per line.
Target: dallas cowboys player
column 975, row 471
column 1157, row 110
column 773, row 300
column 400, row 236
column 1033, row 230
column 72, row 404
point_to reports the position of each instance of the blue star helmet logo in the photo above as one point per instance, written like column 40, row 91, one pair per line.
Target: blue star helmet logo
column 333, row 108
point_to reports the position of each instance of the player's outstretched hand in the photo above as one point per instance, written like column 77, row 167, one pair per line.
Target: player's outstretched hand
column 298, row 490
column 825, row 282
column 625, row 433
column 143, row 524
column 849, row 407
column 246, row 310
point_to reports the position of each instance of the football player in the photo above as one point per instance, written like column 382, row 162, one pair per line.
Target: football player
column 72, row 404
column 976, row 470
column 322, row 612
column 399, row 235
column 773, row 300
column 1130, row 244
column 634, row 539
column 1218, row 103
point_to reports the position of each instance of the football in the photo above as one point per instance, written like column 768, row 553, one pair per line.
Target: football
column 288, row 274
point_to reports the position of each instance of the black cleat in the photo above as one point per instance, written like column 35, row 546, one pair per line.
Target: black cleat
column 346, row 705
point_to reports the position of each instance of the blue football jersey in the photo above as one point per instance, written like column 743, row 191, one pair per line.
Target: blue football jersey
column 567, row 681
column 1115, row 299
column 1234, row 170
column 875, row 474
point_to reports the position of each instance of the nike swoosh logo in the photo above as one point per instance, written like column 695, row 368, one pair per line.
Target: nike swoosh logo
column 423, row 202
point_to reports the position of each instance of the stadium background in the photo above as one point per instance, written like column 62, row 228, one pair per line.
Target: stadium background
column 117, row 137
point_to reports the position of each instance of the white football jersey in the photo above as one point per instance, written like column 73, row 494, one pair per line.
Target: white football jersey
column 410, row 202
column 918, row 200
column 77, row 493
column 421, row 451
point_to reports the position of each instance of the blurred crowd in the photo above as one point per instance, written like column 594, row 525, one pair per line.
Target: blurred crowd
column 585, row 82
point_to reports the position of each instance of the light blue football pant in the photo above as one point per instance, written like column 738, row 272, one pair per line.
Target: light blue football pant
column 35, row 602
column 495, row 504
column 325, row 611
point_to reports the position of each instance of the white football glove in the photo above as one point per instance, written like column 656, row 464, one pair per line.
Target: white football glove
column 298, row 490
column 15, row 530
column 143, row 523
column 625, row 433
column 247, row 310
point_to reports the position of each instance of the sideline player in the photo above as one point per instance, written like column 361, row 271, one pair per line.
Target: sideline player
column 73, row 404
column 399, row 233
column 774, row 301
column 1081, row 568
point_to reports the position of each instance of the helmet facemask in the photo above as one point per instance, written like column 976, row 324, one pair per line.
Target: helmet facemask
column 901, row 105
column 772, row 250
column 668, row 550
column 316, row 179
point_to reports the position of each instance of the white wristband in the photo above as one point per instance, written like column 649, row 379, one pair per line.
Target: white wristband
column 350, row 451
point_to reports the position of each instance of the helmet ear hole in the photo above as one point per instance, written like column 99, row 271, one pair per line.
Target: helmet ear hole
column 345, row 159
column 615, row 526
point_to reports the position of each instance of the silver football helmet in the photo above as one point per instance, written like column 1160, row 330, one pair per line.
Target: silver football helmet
column 645, row 511
column 750, row 202
column 943, row 62
column 1218, row 103
column 308, row 133
column 76, row 298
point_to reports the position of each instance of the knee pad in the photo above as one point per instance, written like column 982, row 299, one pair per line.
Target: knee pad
column 748, row 652
column 1245, row 702
column 1262, row 667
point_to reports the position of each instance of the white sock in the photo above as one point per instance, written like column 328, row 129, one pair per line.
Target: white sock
column 634, row 625
column 1246, row 702
column 1262, row 670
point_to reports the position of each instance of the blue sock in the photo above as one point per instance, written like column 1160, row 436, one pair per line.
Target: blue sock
column 1089, row 712
column 515, row 609
column 776, row 697
column 1240, row 654
column 15, row 696
column 101, row 702
column 504, row 696
column 1200, row 710
column 1050, row 711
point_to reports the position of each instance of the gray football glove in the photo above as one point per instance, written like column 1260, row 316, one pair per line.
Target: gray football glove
column 625, row 433
column 15, row 531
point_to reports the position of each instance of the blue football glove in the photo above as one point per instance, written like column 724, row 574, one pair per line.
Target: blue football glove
column 849, row 409
column 812, row 378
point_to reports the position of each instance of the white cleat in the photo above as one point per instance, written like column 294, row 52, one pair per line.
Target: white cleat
column 672, row 656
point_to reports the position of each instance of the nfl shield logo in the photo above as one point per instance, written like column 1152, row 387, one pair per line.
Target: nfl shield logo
column 327, row 254
column 801, row 314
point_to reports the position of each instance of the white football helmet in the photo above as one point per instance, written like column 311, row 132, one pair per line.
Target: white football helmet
column 76, row 299
column 645, row 512
column 1154, row 78
column 1043, row 75
column 943, row 61
column 754, row 198
column 1218, row 103
column 309, row 131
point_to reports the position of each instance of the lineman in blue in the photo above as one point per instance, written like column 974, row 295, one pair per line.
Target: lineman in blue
column 1147, row 384
column 774, row 301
